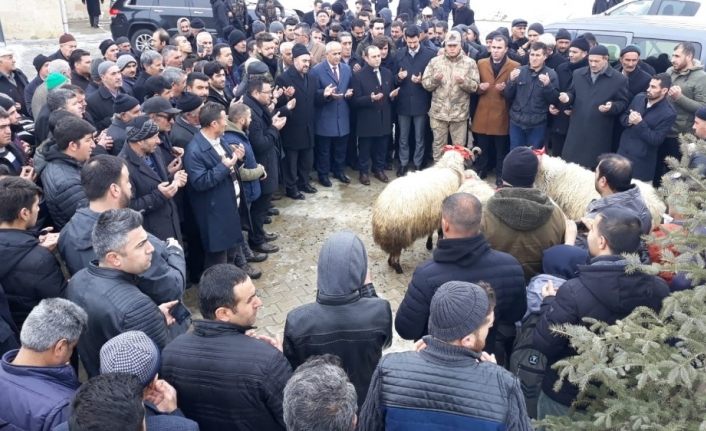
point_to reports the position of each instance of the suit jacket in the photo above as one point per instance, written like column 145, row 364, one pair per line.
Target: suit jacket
column 318, row 52
column 161, row 217
column 413, row 99
column 332, row 114
column 298, row 133
column 374, row 118
column 100, row 107
column 211, row 193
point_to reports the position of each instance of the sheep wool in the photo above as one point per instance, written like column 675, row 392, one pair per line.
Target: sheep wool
column 572, row 187
column 409, row 207
column 474, row 185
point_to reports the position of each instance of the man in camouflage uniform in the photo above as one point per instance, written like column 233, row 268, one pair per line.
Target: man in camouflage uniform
column 451, row 78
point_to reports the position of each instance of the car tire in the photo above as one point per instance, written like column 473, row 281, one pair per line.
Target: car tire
column 140, row 39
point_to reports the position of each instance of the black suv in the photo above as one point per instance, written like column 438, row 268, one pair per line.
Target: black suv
column 138, row 19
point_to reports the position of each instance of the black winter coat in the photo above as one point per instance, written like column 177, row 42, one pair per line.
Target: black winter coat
column 100, row 107
column 529, row 99
column 298, row 133
column 116, row 130
column 28, row 272
column 264, row 139
column 63, row 193
column 463, row 15
column 602, row 291
column 161, row 217
column 590, row 131
column 9, row 333
column 412, row 99
column 16, row 91
column 182, row 132
column 462, row 259
column 227, row 380
column 114, row 305
column 641, row 142
column 565, row 74
column 638, row 81
column 373, row 119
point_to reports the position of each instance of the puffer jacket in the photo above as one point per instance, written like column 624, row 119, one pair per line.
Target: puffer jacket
column 28, row 272
column 344, row 321
column 35, row 398
column 523, row 222
column 250, row 398
column 114, row 305
column 449, row 100
column 630, row 199
column 63, row 193
column 250, row 171
column 529, row 99
column 462, row 259
column 459, row 392
column 164, row 281
column 602, row 291
column 693, row 96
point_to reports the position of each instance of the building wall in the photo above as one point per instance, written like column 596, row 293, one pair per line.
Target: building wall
column 40, row 19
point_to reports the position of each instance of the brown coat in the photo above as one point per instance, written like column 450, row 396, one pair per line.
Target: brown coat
column 317, row 52
column 492, row 115
column 523, row 222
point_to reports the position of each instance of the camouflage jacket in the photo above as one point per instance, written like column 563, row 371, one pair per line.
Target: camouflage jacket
column 449, row 100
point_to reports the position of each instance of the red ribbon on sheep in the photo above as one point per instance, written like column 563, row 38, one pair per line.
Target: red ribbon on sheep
column 465, row 152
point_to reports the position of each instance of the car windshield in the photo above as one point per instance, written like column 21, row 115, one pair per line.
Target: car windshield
column 637, row 7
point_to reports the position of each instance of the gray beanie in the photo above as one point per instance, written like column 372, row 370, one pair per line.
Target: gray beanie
column 276, row 26
column 131, row 352
column 457, row 309
column 124, row 60
column 104, row 66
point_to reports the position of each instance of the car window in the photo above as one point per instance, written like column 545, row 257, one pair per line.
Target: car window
column 639, row 7
column 614, row 43
column 678, row 8
column 652, row 49
column 140, row 2
column 171, row 3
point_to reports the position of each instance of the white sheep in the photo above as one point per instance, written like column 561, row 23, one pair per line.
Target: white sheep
column 410, row 206
column 474, row 185
column 572, row 187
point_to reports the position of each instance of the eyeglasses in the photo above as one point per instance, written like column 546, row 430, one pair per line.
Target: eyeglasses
column 169, row 117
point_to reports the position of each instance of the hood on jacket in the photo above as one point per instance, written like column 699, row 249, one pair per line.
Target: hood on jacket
column 563, row 260
column 463, row 251
column 521, row 208
column 618, row 291
column 534, row 291
column 386, row 15
column 14, row 246
column 76, row 228
column 342, row 269
column 231, row 127
column 53, row 153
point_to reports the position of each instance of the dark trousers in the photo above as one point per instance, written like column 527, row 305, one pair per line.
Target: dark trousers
column 670, row 147
column 557, row 143
column 217, row 257
column 258, row 212
column 521, row 136
column 296, row 166
column 374, row 147
column 330, row 155
column 485, row 143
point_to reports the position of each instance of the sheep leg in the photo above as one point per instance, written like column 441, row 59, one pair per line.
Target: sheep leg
column 430, row 242
column 394, row 261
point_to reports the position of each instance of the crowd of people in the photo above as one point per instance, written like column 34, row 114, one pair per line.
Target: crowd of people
column 126, row 178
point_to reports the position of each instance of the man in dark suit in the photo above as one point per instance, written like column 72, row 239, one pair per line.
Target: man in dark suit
column 373, row 89
column 263, row 134
column 332, row 114
column 298, row 133
column 213, row 190
column 414, row 101
column 152, row 192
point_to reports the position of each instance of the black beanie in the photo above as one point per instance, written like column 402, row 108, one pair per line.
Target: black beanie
column 562, row 34
column 580, row 43
column 235, row 37
column 630, row 48
column 599, row 50
column 520, row 167
column 124, row 103
column 701, row 113
column 40, row 61
column 298, row 50
column 539, row 28
column 188, row 102
column 105, row 45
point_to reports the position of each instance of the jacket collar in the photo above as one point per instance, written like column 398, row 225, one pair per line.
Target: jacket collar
column 214, row 328
column 440, row 351
column 63, row 374
column 190, row 127
column 461, row 249
column 110, row 273
column 139, row 162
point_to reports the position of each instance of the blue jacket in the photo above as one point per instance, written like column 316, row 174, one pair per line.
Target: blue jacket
column 529, row 99
column 35, row 398
column 458, row 393
column 212, row 195
column 251, row 189
column 332, row 114
column 413, row 99
column 463, row 259
column 640, row 142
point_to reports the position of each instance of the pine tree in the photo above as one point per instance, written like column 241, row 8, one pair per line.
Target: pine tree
column 647, row 371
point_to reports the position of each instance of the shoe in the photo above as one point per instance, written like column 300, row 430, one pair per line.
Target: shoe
column 277, row 195
column 402, row 171
column 381, row 176
column 267, row 220
column 269, row 237
column 242, row 263
column 265, row 247
column 251, row 256
column 364, row 179
column 388, row 166
column 324, row 181
column 308, row 188
column 416, row 168
column 273, row 212
column 298, row 196
column 343, row 178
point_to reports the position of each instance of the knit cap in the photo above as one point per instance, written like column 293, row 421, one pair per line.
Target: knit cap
column 141, row 128
column 198, row 23
column 124, row 103
column 630, row 48
column 124, row 60
column 457, row 309
column 520, row 167
column 258, row 27
column 580, row 43
column 701, row 113
column 599, row 50
column 188, row 102
column 66, row 37
column 131, row 352
column 563, row 34
column 105, row 45
column 39, row 61
column 104, row 66
column 299, row 50
column 276, row 27
column 538, row 27
column 55, row 80
column 235, row 37
column 94, row 68
column 121, row 40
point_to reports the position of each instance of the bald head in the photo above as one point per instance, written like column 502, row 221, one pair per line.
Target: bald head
column 461, row 215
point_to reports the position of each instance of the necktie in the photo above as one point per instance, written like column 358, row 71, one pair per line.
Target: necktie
column 377, row 73
column 335, row 73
